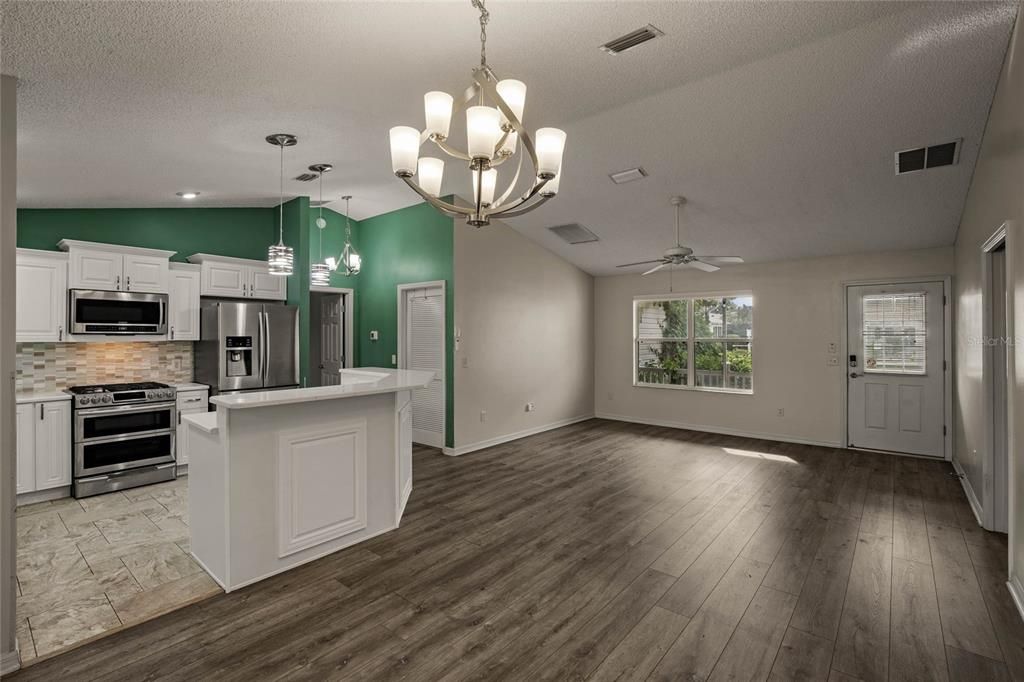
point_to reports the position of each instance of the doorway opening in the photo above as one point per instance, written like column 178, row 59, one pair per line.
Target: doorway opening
column 996, row 337
column 421, row 345
column 330, row 334
column 897, row 368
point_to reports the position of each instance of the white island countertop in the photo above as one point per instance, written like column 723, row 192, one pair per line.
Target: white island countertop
column 354, row 382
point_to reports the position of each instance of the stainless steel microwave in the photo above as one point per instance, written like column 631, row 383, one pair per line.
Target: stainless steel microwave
column 121, row 313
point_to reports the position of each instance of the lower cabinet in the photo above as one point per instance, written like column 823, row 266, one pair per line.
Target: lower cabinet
column 44, row 445
column 189, row 402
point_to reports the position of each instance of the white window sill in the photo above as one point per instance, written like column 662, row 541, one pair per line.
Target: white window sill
column 699, row 389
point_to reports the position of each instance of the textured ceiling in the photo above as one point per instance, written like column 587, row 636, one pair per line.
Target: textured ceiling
column 777, row 120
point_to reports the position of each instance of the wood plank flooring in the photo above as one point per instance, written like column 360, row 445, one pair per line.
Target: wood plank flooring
column 611, row 551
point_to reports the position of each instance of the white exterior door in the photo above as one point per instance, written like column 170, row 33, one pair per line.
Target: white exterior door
column 42, row 283
column 332, row 339
column 423, row 318
column 896, row 368
column 183, row 306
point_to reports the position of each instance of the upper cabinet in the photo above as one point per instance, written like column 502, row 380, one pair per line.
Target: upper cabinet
column 110, row 267
column 42, row 295
column 226, row 277
column 183, row 303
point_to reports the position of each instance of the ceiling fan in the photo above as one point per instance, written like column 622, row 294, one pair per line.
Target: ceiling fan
column 683, row 255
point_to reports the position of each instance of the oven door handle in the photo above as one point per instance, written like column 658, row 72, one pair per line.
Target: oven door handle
column 121, row 409
column 134, row 435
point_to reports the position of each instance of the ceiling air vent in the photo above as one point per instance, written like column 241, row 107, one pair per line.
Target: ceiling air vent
column 631, row 40
column 912, row 160
column 629, row 175
column 574, row 233
column 306, row 177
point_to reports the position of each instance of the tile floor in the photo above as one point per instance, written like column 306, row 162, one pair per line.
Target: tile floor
column 89, row 566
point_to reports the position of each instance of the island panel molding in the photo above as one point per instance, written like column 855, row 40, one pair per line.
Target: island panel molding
column 321, row 485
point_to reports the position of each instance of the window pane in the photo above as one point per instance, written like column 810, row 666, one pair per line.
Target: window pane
column 739, row 317
column 894, row 332
column 661, row 362
column 708, row 318
column 709, row 364
column 661, row 319
column 741, row 366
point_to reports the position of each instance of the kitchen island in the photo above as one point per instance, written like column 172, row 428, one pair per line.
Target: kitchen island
column 281, row 478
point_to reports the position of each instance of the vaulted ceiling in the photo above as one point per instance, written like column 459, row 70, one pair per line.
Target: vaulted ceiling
column 778, row 121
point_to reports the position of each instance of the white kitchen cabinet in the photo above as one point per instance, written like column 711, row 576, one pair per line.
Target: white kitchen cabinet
column 42, row 285
column 239, row 278
column 44, row 445
column 183, row 303
column 189, row 402
column 112, row 267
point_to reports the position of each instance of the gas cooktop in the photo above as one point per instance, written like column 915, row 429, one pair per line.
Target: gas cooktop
column 107, row 394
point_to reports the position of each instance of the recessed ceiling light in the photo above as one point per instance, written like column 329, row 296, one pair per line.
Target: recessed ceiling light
column 629, row 175
column 188, row 195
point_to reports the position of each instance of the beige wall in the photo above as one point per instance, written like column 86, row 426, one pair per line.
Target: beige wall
column 525, row 323
column 996, row 196
column 798, row 311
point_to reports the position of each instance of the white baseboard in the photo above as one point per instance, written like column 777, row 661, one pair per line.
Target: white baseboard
column 1017, row 594
column 44, row 495
column 407, row 490
column 718, row 429
column 9, row 662
column 972, row 499
column 491, row 442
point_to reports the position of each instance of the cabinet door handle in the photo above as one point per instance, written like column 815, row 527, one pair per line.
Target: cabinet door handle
column 42, row 412
column 172, row 332
column 60, row 333
column 117, row 282
column 128, row 286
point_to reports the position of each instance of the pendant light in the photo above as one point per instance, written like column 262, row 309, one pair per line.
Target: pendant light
column 320, row 273
column 281, row 258
column 351, row 260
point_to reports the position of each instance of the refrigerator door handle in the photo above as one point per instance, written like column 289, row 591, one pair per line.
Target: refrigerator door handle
column 266, row 347
column 262, row 340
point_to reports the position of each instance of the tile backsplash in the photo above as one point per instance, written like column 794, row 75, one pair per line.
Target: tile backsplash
column 55, row 366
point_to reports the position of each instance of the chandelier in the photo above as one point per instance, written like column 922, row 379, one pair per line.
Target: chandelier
column 320, row 273
column 494, row 132
column 348, row 258
column 279, row 256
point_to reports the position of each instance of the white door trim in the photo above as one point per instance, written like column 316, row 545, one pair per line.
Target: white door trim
column 400, row 296
column 947, row 353
column 350, row 308
column 1001, row 237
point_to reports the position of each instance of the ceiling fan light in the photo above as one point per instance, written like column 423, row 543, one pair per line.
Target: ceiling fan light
column 405, row 149
column 483, row 130
column 437, row 108
column 550, row 145
column 488, row 183
column 514, row 94
column 430, row 172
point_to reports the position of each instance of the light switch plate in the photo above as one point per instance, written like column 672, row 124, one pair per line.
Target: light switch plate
column 374, row 335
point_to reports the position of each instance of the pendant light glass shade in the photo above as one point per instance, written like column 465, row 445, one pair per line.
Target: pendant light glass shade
column 514, row 94
column 281, row 258
column 550, row 144
column 430, row 172
column 405, row 149
column 483, row 130
column 488, row 182
column 319, row 275
column 437, row 108
column 550, row 188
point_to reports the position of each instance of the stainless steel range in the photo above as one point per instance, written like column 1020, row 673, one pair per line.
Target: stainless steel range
column 123, row 436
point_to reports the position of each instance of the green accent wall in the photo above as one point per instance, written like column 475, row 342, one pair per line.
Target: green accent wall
column 238, row 232
column 414, row 244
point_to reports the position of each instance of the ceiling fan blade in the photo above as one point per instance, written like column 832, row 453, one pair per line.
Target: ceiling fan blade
column 706, row 267
column 643, row 262
column 656, row 268
column 720, row 259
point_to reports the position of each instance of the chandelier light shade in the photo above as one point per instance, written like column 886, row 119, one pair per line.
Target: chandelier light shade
column 430, row 172
column 494, row 136
column 320, row 273
column 405, row 149
column 348, row 259
column 281, row 258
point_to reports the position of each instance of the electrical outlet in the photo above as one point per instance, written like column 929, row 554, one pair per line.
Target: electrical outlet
column 530, row 407
column 483, row 415
column 833, row 361
column 394, row 359
column 177, row 363
column 833, row 348
column 374, row 335
column 782, row 412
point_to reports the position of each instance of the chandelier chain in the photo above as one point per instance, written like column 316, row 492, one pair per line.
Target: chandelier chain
column 348, row 223
column 485, row 16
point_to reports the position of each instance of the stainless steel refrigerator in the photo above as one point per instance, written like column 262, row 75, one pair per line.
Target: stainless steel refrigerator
column 247, row 346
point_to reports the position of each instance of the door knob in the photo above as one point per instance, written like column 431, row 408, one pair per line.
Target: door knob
column 854, row 375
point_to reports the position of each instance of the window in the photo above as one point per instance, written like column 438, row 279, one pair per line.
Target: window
column 690, row 342
column 894, row 331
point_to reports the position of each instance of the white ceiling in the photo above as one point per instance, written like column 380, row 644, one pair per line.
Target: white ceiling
column 778, row 121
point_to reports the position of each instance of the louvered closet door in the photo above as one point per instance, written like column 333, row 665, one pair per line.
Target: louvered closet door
column 425, row 350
